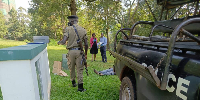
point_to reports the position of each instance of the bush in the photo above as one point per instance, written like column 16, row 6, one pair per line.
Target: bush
column 26, row 40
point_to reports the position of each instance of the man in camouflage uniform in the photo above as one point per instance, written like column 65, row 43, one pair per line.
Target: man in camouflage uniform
column 74, row 55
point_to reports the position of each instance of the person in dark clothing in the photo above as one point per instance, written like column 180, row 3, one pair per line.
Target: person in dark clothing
column 93, row 45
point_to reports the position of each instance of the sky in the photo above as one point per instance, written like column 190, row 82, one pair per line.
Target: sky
column 22, row 3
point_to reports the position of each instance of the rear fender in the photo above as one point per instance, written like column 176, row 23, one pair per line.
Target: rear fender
column 126, row 71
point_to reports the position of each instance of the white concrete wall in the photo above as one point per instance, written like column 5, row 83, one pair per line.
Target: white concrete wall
column 18, row 79
column 45, row 75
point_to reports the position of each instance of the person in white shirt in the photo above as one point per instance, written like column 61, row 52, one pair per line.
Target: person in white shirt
column 103, row 40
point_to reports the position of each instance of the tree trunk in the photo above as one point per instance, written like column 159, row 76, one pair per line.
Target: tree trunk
column 62, row 22
column 73, row 8
column 129, row 12
column 107, row 26
column 136, row 8
column 108, row 45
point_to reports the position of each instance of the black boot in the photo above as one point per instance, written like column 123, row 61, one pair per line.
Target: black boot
column 80, row 87
column 74, row 83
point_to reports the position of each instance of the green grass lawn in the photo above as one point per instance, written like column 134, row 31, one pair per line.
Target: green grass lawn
column 98, row 87
column 1, row 97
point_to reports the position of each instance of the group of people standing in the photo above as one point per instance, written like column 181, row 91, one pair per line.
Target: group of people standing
column 94, row 47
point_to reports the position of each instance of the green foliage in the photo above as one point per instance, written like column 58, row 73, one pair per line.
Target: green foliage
column 24, row 20
column 3, row 27
column 18, row 22
column 14, row 25
column 1, row 96
column 98, row 87
column 27, row 41
column 53, row 42
column 139, row 11
column 91, row 26
column 105, row 15
column 49, row 17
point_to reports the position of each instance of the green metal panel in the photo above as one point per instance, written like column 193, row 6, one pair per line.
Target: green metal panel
column 4, row 11
column 64, row 61
column 24, row 52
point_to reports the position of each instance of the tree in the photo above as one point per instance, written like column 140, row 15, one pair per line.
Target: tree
column 3, row 27
column 18, row 24
column 24, row 20
column 49, row 17
column 105, row 14
column 14, row 29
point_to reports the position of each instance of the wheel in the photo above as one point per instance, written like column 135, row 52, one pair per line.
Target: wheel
column 127, row 89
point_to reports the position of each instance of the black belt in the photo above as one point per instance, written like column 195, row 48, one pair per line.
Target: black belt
column 75, row 49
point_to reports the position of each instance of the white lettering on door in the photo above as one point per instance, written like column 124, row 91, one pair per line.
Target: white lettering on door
column 171, row 89
column 181, row 88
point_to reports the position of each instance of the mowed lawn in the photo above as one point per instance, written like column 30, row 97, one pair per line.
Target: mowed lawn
column 97, row 87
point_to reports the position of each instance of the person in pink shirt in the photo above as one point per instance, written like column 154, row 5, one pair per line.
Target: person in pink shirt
column 93, row 46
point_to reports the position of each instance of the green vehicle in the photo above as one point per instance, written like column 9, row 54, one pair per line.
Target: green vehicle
column 160, row 67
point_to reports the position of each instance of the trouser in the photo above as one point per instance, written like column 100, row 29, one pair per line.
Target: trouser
column 107, row 72
column 74, row 59
column 103, row 53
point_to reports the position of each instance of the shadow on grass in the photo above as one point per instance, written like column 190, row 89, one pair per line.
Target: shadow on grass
column 97, row 87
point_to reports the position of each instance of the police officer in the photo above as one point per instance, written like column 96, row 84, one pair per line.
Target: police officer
column 74, row 55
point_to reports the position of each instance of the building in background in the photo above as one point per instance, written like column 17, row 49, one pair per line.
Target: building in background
column 6, row 6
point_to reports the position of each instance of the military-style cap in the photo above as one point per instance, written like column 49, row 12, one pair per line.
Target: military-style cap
column 72, row 17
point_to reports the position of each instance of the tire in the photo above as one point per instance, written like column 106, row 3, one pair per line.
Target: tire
column 127, row 89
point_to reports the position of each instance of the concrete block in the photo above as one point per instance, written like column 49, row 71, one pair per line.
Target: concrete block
column 64, row 62
column 44, row 39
